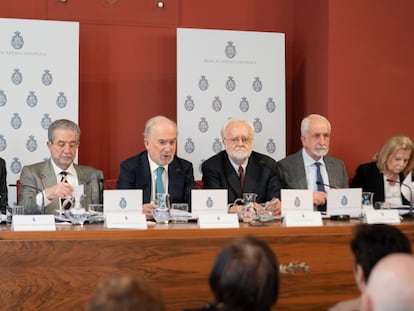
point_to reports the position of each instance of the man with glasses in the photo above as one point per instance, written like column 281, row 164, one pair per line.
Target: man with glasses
column 57, row 176
column 158, row 169
column 241, row 170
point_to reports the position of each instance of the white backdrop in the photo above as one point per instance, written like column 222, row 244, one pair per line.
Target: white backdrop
column 225, row 74
column 39, row 69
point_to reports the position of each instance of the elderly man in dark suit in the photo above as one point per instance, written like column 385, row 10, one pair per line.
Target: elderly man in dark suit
column 57, row 176
column 311, row 167
column 240, row 170
column 158, row 166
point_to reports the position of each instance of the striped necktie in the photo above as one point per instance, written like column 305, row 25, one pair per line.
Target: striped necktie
column 65, row 202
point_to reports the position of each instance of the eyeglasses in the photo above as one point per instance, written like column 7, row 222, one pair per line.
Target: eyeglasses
column 72, row 145
column 236, row 140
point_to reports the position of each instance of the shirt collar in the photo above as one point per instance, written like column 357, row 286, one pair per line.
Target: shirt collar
column 70, row 170
column 154, row 166
column 308, row 161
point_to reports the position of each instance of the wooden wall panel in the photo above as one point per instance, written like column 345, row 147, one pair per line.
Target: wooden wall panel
column 119, row 12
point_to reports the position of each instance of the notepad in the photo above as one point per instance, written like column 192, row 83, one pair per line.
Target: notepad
column 208, row 201
column 122, row 200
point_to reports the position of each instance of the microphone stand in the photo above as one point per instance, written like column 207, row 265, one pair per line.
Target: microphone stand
column 37, row 191
column 410, row 214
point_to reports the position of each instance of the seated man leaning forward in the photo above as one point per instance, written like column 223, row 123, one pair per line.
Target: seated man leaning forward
column 140, row 171
column 57, row 176
column 241, row 170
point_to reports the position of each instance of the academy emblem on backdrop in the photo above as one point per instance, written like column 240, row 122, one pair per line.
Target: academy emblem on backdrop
column 203, row 125
column 189, row 103
column 3, row 143
column 17, row 77
column 17, row 41
column 3, row 98
column 217, row 146
column 16, row 166
column 230, row 50
column 230, row 84
column 47, row 77
column 217, row 104
column 46, row 121
column 61, row 100
column 31, row 99
column 189, row 146
column 31, row 144
column 16, row 121
column 203, row 83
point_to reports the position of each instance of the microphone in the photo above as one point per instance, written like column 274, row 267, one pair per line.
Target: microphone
column 326, row 185
column 43, row 208
column 410, row 214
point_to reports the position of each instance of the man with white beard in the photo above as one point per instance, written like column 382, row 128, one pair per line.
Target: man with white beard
column 241, row 170
column 311, row 167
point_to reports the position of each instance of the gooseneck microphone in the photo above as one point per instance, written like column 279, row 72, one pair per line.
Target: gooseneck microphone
column 43, row 208
column 410, row 215
column 326, row 185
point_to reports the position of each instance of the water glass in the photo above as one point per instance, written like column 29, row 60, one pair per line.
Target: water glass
column 179, row 213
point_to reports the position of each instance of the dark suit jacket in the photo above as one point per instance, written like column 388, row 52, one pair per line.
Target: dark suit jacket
column 294, row 174
column 262, row 176
column 370, row 179
column 135, row 174
column 41, row 175
column 3, row 186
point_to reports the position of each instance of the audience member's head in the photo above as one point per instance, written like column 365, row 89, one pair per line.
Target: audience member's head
column 315, row 135
column 373, row 242
column 390, row 286
column 238, row 136
column 245, row 276
column 125, row 293
column 396, row 148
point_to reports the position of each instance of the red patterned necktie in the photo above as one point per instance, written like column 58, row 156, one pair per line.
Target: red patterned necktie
column 241, row 176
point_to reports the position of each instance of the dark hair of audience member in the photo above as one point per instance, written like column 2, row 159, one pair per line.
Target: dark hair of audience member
column 245, row 276
column 373, row 242
column 125, row 293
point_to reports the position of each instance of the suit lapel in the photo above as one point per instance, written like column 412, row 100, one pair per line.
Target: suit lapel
column 232, row 177
column 48, row 177
column 300, row 172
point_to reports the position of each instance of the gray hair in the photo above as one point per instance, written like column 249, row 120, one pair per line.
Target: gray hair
column 62, row 124
column 304, row 127
column 152, row 121
column 231, row 121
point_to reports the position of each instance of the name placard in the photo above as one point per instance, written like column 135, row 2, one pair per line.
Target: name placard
column 302, row 219
column 218, row 221
column 382, row 216
column 127, row 220
column 33, row 223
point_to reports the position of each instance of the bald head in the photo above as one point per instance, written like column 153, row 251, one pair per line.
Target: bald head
column 391, row 285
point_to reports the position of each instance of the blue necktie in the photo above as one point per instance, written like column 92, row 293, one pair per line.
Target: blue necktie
column 319, row 179
column 159, row 185
column 320, row 185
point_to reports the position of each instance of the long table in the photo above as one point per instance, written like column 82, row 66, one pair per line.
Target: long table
column 58, row 270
